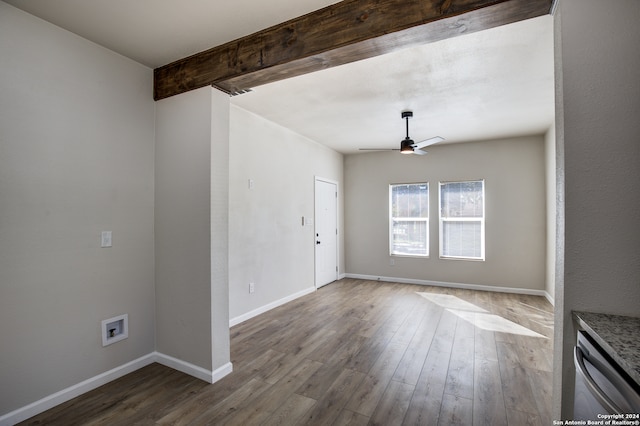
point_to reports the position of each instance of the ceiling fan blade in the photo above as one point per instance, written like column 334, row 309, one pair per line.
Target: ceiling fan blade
column 427, row 142
column 419, row 152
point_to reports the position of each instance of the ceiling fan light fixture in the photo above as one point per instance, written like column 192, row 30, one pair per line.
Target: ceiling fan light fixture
column 406, row 146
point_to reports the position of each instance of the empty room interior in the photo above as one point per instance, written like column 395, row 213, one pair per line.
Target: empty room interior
column 207, row 213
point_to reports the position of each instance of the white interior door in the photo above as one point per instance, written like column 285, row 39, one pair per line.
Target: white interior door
column 326, row 220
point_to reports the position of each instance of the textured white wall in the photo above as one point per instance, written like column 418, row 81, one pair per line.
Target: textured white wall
column 220, row 115
column 551, row 194
column 267, row 243
column 76, row 158
column 515, row 212
column 598, row 103
column 190, row 221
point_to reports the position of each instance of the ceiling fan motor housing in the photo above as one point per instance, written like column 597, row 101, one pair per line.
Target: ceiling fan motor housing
column 406, row 146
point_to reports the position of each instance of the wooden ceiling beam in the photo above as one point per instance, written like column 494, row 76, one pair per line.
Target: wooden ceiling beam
column 344, row 32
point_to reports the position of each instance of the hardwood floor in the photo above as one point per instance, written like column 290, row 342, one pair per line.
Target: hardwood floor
column 355, row 353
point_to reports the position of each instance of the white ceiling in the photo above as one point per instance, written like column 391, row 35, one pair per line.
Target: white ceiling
column 157, row 32
column 492, row 84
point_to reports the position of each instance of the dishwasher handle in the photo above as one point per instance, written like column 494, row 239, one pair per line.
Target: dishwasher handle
column 578, row 358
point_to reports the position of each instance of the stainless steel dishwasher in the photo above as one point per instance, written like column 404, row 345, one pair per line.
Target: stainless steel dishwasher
column 602, row 388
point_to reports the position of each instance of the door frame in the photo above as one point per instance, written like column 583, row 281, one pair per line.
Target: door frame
column 315, row 225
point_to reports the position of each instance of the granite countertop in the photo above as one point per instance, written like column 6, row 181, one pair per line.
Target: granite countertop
column 618, row 335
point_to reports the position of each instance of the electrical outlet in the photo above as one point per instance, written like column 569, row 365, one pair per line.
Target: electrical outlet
column 252, row 288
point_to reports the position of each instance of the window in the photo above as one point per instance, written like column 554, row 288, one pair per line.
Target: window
column 462, row 220
column 409, row 219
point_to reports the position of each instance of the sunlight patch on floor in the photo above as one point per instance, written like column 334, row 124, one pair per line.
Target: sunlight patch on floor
column 478, row 316
column 448, row 301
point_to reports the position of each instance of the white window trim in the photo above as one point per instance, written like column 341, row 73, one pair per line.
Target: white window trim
column 407, row 219
column 481, row 220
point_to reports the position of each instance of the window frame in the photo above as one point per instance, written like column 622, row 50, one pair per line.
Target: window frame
column 408, row 218
column 481, row 220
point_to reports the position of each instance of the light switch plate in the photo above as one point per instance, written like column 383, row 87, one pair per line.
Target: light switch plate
column 105, row 240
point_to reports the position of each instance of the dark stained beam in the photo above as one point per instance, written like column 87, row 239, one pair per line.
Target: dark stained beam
column 335, row 35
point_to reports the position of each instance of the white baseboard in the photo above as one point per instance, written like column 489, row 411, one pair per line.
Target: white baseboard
column 221, row 372
column 194, row 370
column 92, row 383
column 71, row 392
column 244, row 317
column 497, row 289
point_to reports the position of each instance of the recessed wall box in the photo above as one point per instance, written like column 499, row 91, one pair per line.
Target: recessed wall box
column 115, row 329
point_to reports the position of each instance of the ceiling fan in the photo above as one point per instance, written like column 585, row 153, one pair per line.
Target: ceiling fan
column 407, row 145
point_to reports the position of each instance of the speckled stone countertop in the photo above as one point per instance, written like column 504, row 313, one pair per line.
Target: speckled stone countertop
column 618, row 335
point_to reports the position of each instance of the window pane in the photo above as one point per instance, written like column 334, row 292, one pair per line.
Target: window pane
column 409, row 237
column 462, row 239
column 408, row 221
column 462, row 219
column 462, row 199
column 410, row 200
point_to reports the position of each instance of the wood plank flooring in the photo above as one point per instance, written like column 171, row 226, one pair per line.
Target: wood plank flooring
column 355, row 352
